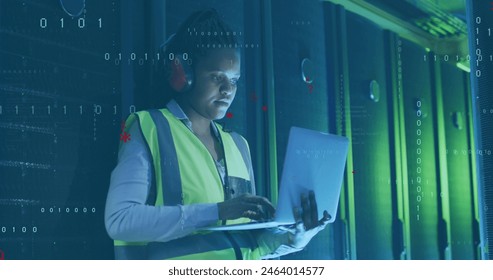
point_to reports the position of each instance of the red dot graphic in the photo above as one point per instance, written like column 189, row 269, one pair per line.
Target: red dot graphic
column 264, row 108
column 229, row 115
column 124, row 136
column 2, row 255
column 310, row 86
column 253, row 97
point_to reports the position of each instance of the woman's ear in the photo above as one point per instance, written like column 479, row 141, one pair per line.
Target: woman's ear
column 180, row 74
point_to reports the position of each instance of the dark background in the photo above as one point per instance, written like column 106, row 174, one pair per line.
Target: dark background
column 418, row 176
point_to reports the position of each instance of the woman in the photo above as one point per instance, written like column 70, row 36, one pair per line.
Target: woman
column 181, row 172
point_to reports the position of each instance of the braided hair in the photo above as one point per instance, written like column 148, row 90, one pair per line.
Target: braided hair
column 200, row 32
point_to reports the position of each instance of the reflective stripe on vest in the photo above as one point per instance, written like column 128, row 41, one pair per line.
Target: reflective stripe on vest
column 185, row 173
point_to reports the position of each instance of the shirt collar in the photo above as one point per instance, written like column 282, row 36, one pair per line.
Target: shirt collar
column 177, row 111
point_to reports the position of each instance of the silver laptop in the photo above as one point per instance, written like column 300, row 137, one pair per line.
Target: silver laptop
column 314, row 161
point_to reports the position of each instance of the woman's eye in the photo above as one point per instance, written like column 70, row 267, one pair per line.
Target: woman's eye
column 234, row 81
column 217, row 78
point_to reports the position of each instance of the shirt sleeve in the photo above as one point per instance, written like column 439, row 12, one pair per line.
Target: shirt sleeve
column 128, row 218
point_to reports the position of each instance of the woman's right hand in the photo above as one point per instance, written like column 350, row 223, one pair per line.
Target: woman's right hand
column 246, row 206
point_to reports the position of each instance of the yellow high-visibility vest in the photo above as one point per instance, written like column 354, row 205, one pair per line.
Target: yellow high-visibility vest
column 184, row 173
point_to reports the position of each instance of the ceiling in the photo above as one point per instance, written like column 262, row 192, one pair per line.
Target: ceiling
column 451, row 6
column 439, row 18
column 437, row 25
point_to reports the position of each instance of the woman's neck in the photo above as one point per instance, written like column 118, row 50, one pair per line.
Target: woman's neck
column 200, row 125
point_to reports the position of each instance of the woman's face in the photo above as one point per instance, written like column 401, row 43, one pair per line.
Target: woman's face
column 216, row 77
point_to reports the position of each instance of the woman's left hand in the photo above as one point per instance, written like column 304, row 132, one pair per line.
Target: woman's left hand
column 307, row 222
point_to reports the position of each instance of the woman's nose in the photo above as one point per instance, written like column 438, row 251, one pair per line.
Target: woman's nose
column 227, row 88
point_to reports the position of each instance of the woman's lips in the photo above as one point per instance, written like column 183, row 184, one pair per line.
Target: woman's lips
column 222, row 103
